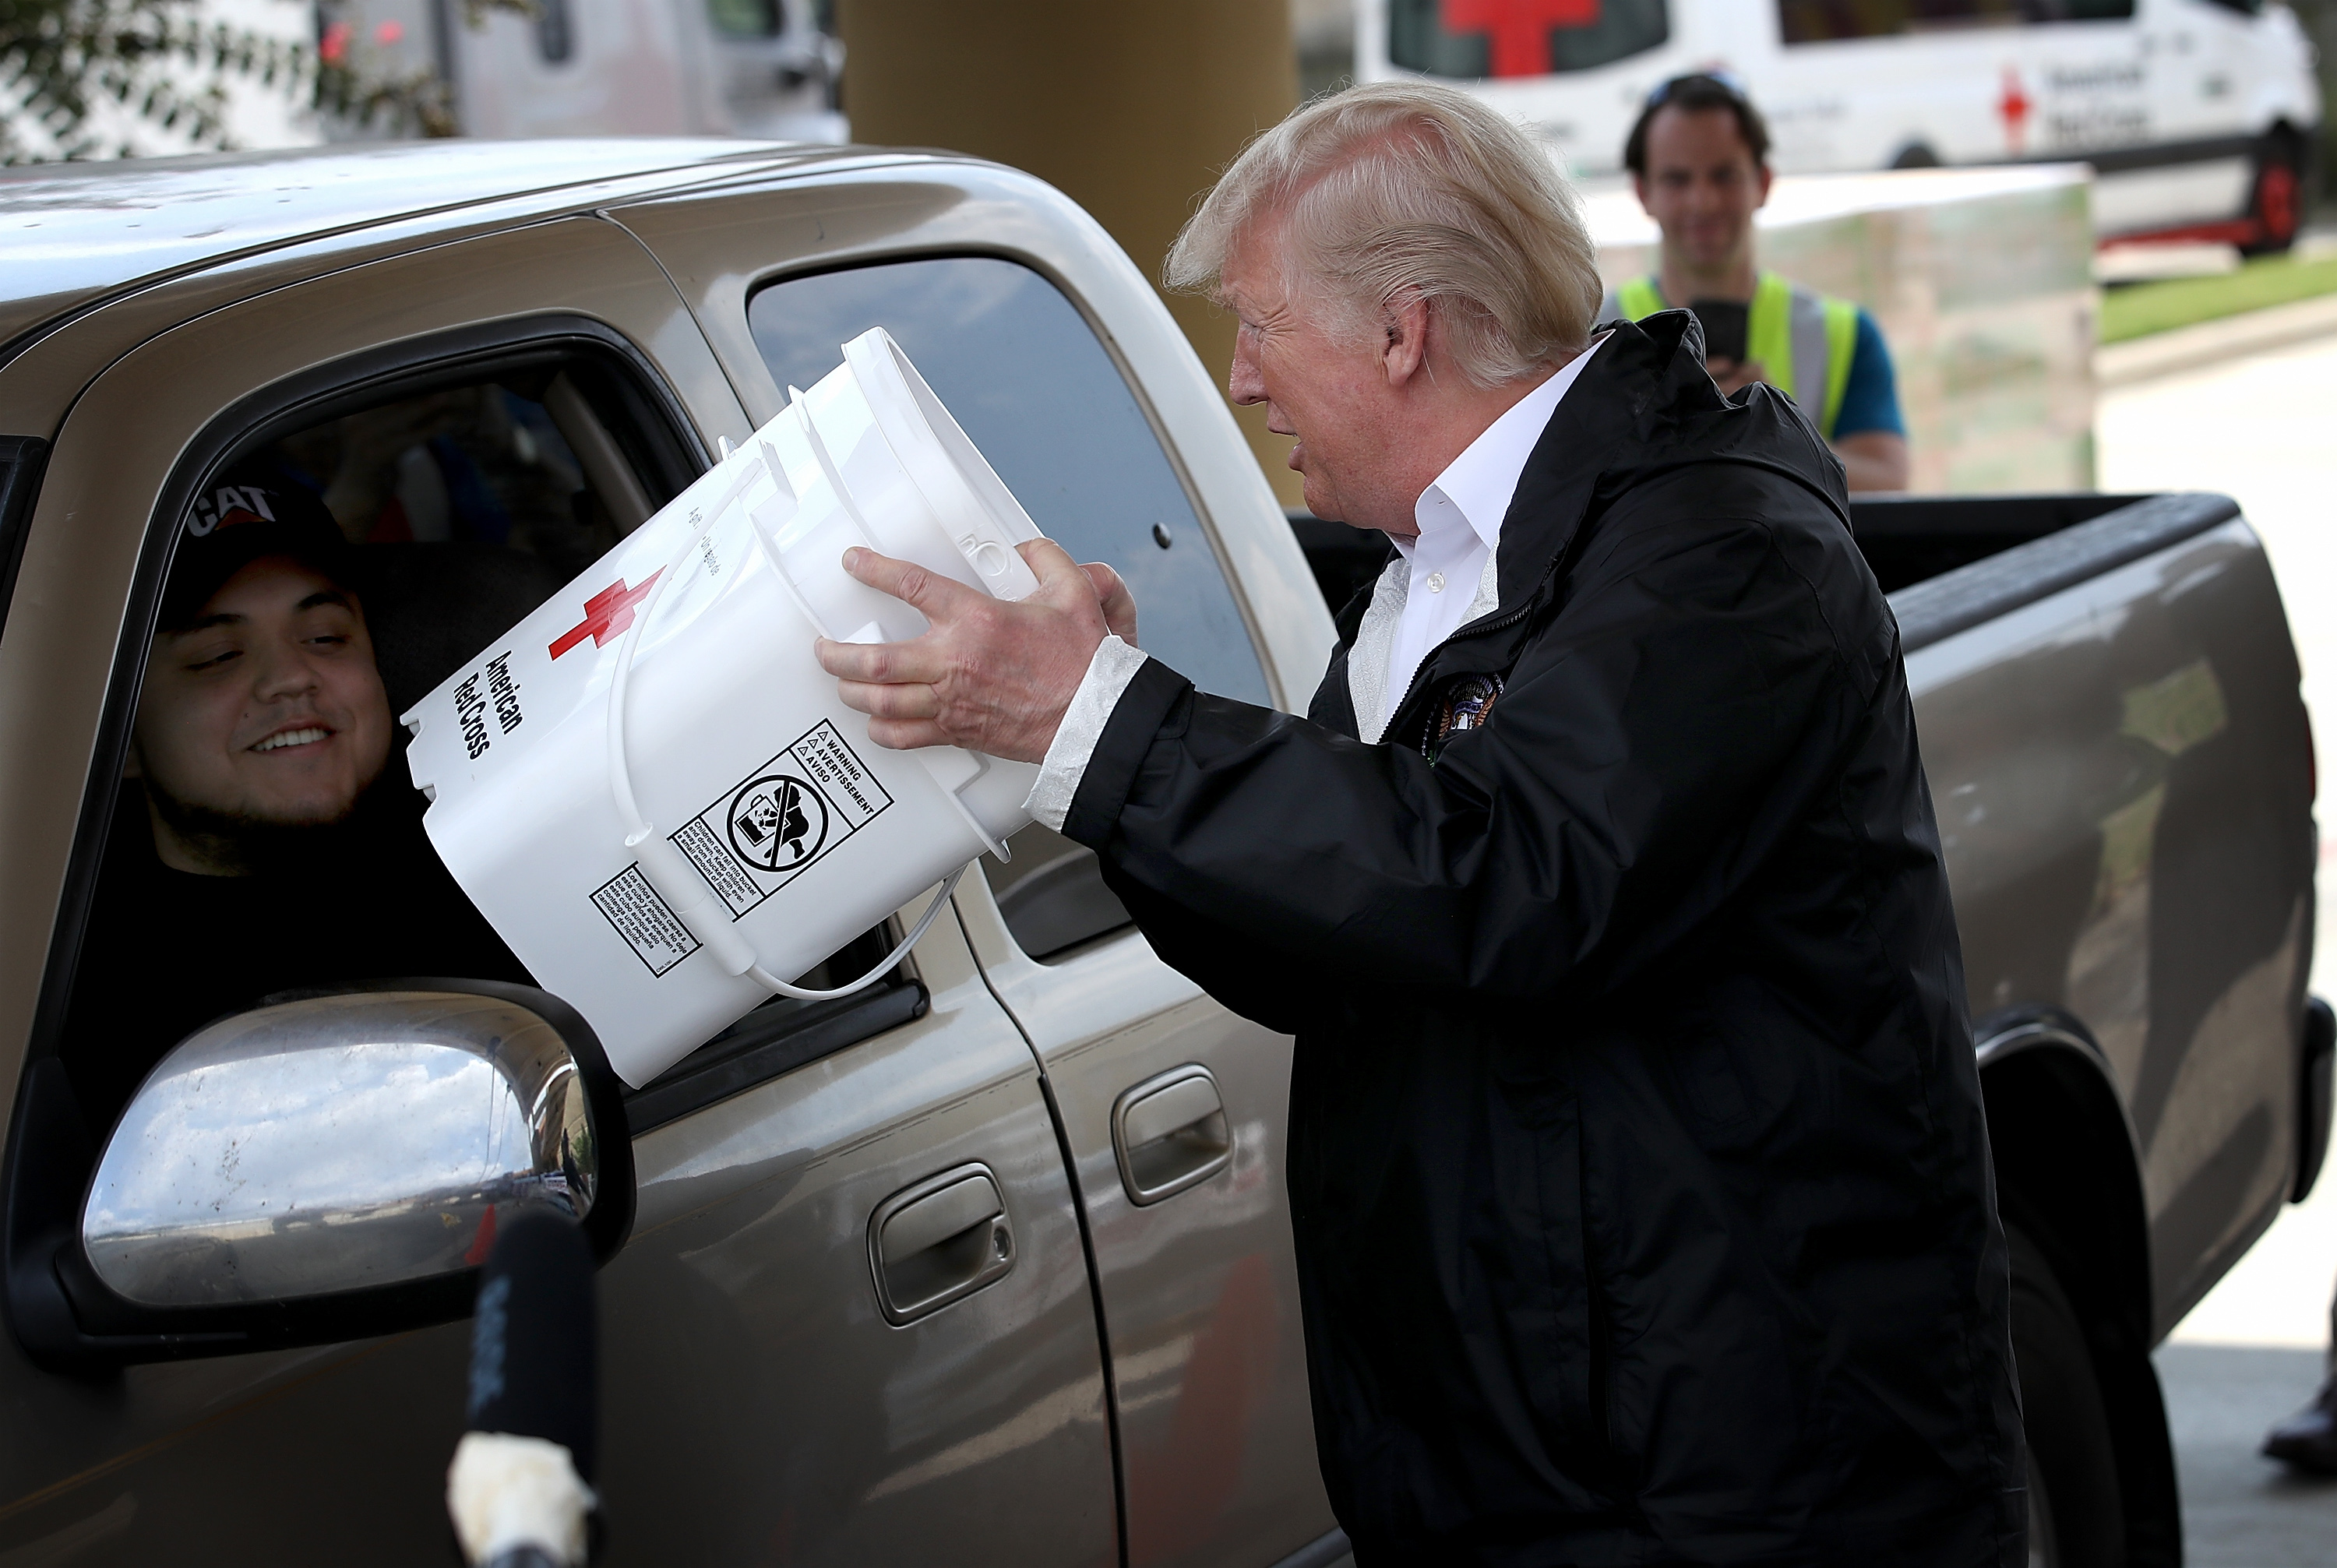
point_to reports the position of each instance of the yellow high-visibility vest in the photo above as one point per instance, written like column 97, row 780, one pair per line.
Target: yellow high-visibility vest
column 1788, row 330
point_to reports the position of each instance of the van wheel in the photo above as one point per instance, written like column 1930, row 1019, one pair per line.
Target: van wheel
column 1916, row 155
column 2275, row 197
column 2077, row 1517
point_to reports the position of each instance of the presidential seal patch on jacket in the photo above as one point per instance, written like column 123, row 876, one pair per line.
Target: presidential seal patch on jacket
column 1467, row 703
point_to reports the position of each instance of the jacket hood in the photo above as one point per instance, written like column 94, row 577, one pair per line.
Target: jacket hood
column 1646, row 406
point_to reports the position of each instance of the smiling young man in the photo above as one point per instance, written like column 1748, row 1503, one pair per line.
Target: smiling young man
column 1699, row 161
column 262, row 712
column 260, row 843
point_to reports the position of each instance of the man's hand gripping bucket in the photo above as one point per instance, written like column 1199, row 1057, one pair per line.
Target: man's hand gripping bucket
column 674, row 682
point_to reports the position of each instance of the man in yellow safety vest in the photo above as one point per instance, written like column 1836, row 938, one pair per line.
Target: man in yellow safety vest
column 1700, row 160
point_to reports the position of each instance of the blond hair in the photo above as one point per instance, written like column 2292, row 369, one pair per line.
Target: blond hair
column 1403, row 189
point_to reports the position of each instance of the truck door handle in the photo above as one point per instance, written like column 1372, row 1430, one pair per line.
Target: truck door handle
column 1169, row 1132
column 940, row 1239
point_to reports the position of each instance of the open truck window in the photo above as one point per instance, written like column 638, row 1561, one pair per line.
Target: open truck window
column 266, row 837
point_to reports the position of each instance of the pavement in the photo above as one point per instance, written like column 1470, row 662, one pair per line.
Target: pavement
column 2213, row 342
column 2259, row 425
column 2240, row 1510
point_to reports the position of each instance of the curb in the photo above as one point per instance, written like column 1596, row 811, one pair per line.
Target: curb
column 2208, row 342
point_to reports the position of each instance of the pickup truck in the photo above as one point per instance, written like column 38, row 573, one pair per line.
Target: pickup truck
column 991, row 1262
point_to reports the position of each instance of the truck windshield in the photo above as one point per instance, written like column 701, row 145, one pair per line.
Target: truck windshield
column 1475, row 38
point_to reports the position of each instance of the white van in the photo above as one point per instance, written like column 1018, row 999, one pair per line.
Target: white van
column 2196, row 114
column 761, row 68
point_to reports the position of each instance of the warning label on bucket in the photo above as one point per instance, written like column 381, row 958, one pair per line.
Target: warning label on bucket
column 760, row 833
column 656, row 936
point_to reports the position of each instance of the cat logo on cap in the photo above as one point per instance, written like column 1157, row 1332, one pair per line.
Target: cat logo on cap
column 228, row 505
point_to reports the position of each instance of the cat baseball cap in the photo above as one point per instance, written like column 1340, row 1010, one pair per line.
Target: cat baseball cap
column 245, row 515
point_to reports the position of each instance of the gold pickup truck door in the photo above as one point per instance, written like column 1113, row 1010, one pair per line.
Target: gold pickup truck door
column 852, row 1323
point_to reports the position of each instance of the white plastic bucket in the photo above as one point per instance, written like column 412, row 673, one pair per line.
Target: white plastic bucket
column 666, row 874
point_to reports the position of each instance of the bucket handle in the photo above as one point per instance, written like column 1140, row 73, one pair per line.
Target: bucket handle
column 675, row 879
column 802, row 410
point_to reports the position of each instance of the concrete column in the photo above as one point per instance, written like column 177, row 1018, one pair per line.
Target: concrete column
column 1128, row 106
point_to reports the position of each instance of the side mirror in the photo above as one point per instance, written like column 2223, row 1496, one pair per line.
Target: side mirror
column 337, row 1166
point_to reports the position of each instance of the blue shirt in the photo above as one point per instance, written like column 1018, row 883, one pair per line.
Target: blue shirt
column 1870, row 399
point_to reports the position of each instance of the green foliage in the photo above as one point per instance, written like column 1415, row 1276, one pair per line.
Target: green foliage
column 2140, row 309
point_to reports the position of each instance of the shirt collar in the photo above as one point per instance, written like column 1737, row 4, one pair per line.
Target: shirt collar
column 1476, row 487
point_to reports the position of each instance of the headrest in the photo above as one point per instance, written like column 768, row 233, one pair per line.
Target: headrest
column 431, row 607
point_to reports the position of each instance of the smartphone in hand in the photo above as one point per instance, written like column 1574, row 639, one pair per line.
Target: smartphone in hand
column 1725, row 328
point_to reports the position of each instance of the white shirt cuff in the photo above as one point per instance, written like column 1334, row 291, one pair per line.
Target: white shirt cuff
column 1115, row 664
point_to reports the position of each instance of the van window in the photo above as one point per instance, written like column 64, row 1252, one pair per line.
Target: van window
column 556, row 31
column 1476, row 38
column 1831, row 21
column 745, row 19
column 1023, row 373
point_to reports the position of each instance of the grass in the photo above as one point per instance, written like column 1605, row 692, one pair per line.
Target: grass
column 2141, row 308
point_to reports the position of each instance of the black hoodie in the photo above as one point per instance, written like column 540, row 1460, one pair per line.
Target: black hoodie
column 1640, row 1185
column 166, row 951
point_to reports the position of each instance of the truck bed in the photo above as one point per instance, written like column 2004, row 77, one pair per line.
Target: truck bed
column 2121, row 766
column 1911, row 543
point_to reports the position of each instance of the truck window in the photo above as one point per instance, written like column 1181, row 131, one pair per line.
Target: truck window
column 1832, row 21
column 470, row 502
column 1477, row 38
column 266, row 836
column 20, row 466
column 1022, row 371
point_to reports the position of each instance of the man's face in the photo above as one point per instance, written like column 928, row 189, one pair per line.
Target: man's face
column 1328, row 389
column 1702, row 186
column 267, row 709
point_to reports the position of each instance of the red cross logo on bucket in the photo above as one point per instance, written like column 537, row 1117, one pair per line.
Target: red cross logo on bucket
column 1518, row 31
column 608, row 613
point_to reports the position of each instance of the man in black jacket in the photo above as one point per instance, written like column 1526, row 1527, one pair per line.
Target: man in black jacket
column 1637, row 1169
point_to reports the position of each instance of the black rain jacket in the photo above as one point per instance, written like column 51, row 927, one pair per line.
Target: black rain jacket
column 1641, row 1191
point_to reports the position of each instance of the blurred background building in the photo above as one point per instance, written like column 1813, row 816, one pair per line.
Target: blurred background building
column 1949, row 164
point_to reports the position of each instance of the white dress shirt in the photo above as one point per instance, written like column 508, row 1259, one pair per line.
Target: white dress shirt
column 1442, row 581
column 1443, row 573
